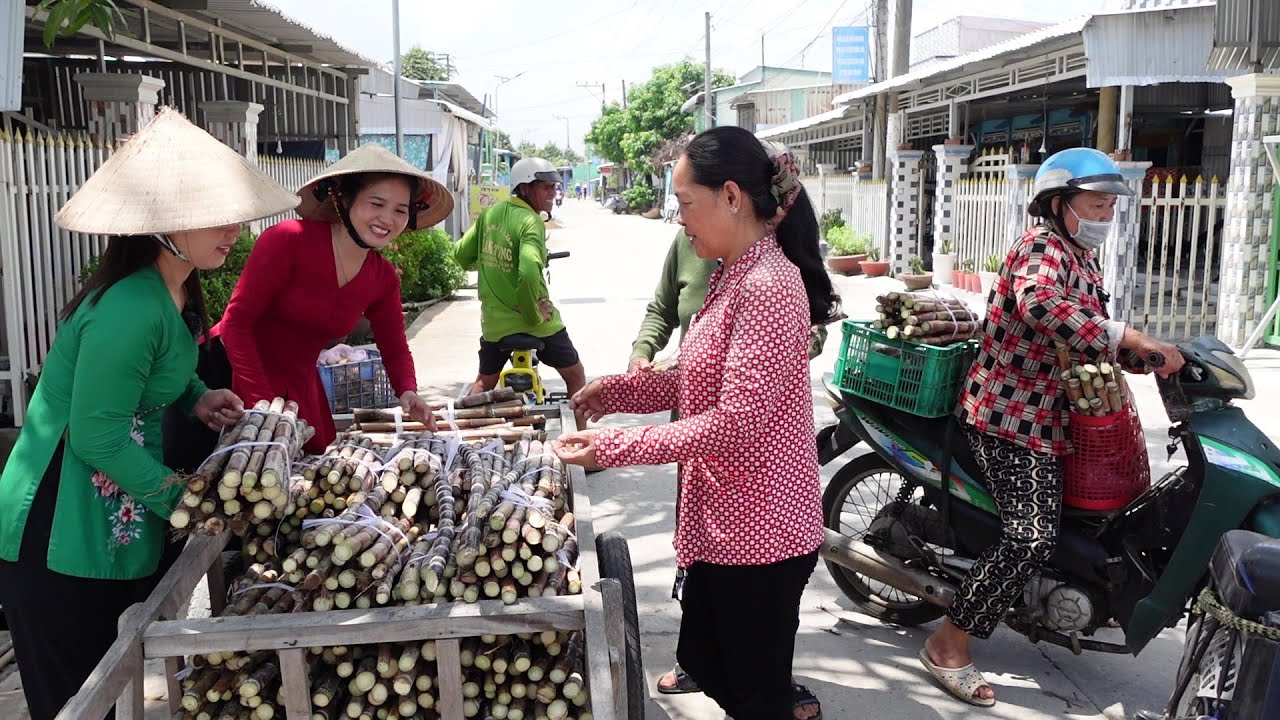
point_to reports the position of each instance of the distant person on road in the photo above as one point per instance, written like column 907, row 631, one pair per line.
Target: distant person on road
column 507, row 246
column 750, row 513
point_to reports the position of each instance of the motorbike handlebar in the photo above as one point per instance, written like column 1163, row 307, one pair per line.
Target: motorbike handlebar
column 557, row 255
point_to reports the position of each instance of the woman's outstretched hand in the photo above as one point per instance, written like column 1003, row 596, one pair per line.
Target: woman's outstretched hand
column 577, row 448
column 590, row 401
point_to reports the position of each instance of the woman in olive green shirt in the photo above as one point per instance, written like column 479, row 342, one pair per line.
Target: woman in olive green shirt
column 85, row 497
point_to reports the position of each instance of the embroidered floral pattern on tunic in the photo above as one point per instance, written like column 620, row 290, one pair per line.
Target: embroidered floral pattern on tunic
column 125, row 513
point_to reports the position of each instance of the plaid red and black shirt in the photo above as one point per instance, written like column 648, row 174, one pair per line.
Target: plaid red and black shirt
column 1045, row 293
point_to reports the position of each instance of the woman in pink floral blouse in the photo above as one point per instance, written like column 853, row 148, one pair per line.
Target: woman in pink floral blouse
column 750, row 519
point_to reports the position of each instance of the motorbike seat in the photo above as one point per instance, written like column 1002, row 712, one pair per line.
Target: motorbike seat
column 1246, row 572
column 521, row 341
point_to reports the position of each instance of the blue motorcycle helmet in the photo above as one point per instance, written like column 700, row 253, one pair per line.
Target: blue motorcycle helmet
column 1075, row 170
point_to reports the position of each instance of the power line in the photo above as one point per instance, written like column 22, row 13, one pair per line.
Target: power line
column 826, row 27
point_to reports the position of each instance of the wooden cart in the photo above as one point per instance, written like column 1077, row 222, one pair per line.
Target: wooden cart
column 605, row 612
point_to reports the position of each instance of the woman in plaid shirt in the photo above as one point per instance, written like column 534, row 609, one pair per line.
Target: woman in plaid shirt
column 1049, row 292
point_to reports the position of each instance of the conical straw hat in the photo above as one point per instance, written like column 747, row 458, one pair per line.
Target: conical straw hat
column 376, row 159
column 171, row 177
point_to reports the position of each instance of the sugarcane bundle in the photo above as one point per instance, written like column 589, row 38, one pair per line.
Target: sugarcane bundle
column 531, row 675
column 506, row 415
column 925, row 318
column 1092, row 389
column 434, row 520
column 246, row 480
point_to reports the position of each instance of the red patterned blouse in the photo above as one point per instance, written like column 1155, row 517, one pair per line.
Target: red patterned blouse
column 751, row 493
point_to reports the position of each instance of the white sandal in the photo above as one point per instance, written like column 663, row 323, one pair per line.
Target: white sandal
column 961, row 682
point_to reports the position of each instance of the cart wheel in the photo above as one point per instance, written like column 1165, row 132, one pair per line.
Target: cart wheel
column 615, row 562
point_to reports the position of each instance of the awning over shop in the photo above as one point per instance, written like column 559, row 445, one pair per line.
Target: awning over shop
column 1152, row 47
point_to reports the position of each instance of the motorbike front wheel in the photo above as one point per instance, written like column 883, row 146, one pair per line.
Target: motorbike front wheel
column 858, row 493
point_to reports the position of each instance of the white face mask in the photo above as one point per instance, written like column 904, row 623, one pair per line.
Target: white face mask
column 1092, row 233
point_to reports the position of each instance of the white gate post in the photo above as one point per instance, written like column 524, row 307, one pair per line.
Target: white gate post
column 952, row 162
column 119, row 104
column 904, row 203
column 235, row 123
column 1120, row 253
column 1242, row 298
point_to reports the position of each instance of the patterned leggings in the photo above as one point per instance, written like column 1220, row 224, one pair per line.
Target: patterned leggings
column 1027, row 487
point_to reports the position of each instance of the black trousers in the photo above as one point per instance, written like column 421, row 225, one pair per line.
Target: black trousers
column 61, row 625
column 738, row 634
column 187, row 441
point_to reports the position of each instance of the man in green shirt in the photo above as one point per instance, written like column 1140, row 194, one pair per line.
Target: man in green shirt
column 508, row 248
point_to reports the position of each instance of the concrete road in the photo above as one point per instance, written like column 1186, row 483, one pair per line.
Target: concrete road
column 857, row 666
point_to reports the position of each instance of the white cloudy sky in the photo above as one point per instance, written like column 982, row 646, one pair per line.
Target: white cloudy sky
column 558, row 45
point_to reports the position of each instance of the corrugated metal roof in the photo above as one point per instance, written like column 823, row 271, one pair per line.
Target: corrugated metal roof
column 1239, row 27
column 1149, row 48
column 465, row 114
column 262, row 19
column 838, row 114
column 1018, row 44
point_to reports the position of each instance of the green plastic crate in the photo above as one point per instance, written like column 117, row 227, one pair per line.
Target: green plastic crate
column 921, row 379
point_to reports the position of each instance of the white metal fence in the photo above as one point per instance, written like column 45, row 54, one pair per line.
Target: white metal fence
column 290, row 172
column 863, row 203
column 984, row 208
column 41, row 263
column 1178, row 258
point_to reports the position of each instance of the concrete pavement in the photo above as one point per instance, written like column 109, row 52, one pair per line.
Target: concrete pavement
column 857, row 666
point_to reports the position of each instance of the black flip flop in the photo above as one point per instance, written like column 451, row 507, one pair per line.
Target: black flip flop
column 684, row 683
column 803, row 696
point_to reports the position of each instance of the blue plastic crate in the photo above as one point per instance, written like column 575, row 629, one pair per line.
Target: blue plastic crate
column 354, row 385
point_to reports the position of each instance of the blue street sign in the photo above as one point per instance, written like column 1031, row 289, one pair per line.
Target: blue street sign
column 850, row 55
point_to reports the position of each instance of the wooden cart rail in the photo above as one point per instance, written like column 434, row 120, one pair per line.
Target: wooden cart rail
column 147, row 630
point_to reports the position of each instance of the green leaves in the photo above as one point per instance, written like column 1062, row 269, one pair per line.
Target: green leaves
column 652, row 115
column 68, row 17
column 419, row 64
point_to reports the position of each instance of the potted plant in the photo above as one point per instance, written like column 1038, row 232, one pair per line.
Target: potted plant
column 989, row 273
column 967, row 271
column 830, row 219
column 873, row 266
column 944, row 263
column 917, row 279
column 845, row 250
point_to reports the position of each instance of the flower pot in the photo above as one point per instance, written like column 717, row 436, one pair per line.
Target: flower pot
column 918, row 282
column 944, row 266
column 875, row 268
column 975, row 283
column 986, row 280
column 844, row 264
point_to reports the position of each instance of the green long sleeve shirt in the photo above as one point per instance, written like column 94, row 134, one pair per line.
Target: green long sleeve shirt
column 681, row 291
column 680, row 294
column 507, row 246
column 115, row 365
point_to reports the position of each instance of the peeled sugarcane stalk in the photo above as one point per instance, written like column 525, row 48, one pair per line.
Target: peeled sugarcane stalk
column 942, row 328
column 485, row 398
column 275, row 468
column 239, row 458
column 1100, row 393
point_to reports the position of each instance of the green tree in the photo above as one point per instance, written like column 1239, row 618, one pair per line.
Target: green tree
column 502, row 140
column 630, row 136
column 418, row 64
column 67, row 17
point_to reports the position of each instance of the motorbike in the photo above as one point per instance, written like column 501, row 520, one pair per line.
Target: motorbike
column 559, row 197
column 616, row 203
column 1139, row 567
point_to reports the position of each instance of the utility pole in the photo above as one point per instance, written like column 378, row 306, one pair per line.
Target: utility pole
column 901, row 59
column 706, row 78
column 879, row 151
column 567, row 146
column 395, row 48
column 624, row 94
column 595, row 85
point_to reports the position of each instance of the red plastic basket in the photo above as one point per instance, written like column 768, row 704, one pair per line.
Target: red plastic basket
column 1108, row 466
